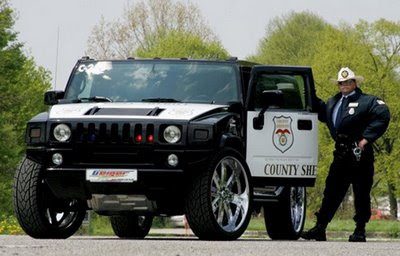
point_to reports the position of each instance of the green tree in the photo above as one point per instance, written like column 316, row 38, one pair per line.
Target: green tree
column 142, row 25
column 22, row 85
column 180, row 44
column 290, row 39
column 384, row 38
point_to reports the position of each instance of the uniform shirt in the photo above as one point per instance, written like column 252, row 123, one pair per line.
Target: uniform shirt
column 337, row 106
column 365, row 116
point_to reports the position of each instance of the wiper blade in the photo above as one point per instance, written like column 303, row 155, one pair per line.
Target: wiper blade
column 160, row 100
column 96, row 99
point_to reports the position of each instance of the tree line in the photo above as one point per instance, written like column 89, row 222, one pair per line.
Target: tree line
column 166, row 28
column 22, row 84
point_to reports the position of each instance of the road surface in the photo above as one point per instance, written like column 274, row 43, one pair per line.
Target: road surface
column 182, row 246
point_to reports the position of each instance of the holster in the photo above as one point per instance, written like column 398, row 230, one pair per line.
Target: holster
column 344, row 147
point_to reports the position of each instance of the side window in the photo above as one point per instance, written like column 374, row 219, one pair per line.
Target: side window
column 292, row 87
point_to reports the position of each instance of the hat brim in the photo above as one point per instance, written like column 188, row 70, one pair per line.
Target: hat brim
column 359, row 79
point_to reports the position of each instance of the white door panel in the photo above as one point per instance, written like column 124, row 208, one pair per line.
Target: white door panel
column 280, row 149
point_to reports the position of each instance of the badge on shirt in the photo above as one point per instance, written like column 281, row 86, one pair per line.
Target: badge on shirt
column 351, row 111
column 353, row 104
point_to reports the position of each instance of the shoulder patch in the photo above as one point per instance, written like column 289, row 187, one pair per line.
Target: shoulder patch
column 380, row 102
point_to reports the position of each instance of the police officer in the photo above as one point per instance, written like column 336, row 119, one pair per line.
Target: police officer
column 355, row 120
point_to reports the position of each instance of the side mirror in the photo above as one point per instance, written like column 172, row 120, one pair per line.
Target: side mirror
column 52, row 97
column 235, row 107
column 269, row 98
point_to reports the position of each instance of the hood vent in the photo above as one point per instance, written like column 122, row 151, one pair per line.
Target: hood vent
column 124, row 111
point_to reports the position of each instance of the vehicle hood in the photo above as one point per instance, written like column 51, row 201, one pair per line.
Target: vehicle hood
column 145, row 110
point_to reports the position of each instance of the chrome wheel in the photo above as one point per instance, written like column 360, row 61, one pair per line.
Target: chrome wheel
column 230, row 194
column 297, row 206
column 284, row 220
column 219, row 202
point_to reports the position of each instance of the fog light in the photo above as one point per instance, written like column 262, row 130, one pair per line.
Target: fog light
column 57, row 159
column 173, row 160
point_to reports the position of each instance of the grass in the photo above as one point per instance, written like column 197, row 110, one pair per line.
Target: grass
column 100, row 226
column 389, row 227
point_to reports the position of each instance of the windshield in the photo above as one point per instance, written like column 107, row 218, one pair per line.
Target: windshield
column 154, row 81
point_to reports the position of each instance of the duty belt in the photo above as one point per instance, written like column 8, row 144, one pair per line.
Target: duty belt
column 345, row 143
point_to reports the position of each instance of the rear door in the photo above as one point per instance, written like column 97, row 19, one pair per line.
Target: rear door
column 284, row 150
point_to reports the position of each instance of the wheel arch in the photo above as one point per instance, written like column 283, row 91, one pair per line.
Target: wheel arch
column 232, row 141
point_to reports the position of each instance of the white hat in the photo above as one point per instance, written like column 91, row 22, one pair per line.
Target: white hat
column 347, row 74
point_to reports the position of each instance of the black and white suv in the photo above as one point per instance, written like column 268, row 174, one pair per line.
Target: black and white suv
column 133, row 139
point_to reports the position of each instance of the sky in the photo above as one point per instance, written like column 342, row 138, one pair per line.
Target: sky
column 239, row 24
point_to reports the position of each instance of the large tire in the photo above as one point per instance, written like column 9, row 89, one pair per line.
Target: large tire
column 285, row 220
column 131, row 226
column 218, row 206
column 39, row 213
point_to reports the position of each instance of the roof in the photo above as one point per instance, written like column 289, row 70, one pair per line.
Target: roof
column 130, row 59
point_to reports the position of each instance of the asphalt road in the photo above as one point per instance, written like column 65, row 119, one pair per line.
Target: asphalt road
column 181, row 246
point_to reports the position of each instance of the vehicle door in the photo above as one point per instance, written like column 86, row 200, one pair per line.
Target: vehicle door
column 282, row 126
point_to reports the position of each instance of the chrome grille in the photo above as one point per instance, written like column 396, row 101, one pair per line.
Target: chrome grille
column 112, row 133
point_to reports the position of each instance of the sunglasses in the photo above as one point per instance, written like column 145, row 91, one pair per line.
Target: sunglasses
column 347, row 82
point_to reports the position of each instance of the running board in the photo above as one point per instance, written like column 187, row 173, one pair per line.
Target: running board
column 267, row 194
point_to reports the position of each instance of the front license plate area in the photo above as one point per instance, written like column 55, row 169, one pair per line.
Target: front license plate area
column 112, row 175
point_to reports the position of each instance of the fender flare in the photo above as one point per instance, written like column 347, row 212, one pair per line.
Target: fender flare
column 232, row 141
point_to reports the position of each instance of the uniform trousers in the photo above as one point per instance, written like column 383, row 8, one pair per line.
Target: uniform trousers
column 345, row 170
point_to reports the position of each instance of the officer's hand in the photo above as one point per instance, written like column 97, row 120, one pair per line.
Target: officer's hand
column 362, row 143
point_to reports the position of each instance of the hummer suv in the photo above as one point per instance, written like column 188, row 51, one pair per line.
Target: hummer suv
column 138, row 138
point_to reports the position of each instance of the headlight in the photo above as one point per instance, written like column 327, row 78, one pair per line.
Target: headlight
column 62, row 132
column 172, row 134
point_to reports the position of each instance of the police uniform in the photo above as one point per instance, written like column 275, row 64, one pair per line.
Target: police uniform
column 359, row 116
column 363, row 116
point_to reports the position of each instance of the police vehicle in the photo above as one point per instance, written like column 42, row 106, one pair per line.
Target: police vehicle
column 138, row 138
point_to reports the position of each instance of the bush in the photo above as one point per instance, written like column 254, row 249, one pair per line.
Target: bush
column 9, row 226
column 6, row 205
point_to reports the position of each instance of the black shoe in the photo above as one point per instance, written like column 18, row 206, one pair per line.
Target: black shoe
column 316, row 233
column 358, row 236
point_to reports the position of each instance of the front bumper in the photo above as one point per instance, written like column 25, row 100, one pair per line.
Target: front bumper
column 153, row 183
column 156, row 179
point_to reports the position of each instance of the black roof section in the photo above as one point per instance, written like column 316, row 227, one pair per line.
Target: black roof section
column 129, row 59
column 235, row 60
